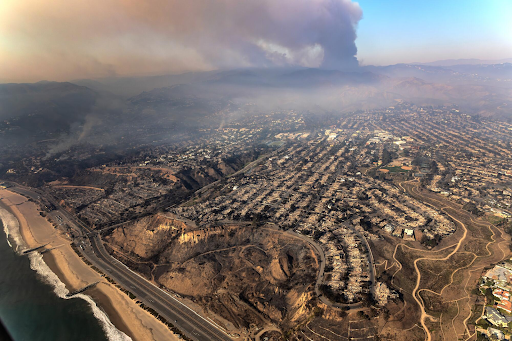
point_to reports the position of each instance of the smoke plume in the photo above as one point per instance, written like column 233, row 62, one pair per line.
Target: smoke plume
column 83, row 38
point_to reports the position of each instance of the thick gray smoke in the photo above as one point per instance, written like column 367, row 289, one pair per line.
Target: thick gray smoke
column 107, row 112
column 296, row 32
column 97, row 38
column 77, row 134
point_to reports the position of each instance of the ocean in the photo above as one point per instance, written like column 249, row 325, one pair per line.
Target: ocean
column 33, row 303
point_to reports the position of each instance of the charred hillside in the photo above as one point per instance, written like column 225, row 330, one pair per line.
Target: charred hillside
column 246, row 275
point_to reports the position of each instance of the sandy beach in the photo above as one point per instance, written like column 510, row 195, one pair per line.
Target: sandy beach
column 126, row 316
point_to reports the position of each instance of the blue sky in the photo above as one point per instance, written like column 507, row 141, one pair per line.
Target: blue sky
column 398, row 31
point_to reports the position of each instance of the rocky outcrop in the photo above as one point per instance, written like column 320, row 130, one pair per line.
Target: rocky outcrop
column 148, row 236
column 247, row 275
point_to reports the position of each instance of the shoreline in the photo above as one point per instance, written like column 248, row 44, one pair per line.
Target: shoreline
column 102, row 300
column 121, row 311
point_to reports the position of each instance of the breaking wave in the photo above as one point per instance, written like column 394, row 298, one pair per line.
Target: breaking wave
column 12, row 231
column 37, row 264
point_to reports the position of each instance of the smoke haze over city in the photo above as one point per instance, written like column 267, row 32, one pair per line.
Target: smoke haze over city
column 247, row 170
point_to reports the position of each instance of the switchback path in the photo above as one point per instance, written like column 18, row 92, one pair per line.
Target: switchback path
column 462, row 219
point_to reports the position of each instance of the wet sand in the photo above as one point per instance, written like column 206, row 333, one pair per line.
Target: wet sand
column 75, row 274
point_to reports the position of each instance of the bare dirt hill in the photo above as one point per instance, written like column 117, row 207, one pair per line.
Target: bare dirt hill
column 246, row 274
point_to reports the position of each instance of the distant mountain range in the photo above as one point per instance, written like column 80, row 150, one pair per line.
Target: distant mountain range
column 437, row 72
column 452, row 62
column 45, row 107
column 52, row 109
column 53, row 99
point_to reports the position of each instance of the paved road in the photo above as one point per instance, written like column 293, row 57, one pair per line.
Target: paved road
column 166, row 305
column 188, row 321
column 320, row 278
column 247, row 169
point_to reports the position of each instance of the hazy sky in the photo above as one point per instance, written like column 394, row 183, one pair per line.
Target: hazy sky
column 63, row 39
column 396, row 31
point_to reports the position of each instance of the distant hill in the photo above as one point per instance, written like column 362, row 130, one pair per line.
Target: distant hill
column 319, row 78
column 131, row 86
column 454, row 74
column 52, row 100
column 43, row 110
column 476, row 88
column 501, row 71
column 451, row 62
column 293, row 77
column 429, row 73
column 180, row 103
column 175, row 107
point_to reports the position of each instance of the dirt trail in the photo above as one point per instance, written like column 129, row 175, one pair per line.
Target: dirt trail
column 424, row 315
column 458, row 244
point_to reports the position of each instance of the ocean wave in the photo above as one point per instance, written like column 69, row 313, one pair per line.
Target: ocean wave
column 37, row 264
column 12, row 230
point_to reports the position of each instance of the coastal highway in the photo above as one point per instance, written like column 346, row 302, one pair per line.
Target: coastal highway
column 185, row 319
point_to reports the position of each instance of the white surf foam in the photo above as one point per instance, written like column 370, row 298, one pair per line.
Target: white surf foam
column 37, row 264
column 12, row 231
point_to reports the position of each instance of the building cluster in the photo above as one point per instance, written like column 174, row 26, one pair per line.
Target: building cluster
column 473, row 156
column 98, row 206
column 127, row 187
column 316, row 185
column 496, row 284
column 338, row 184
